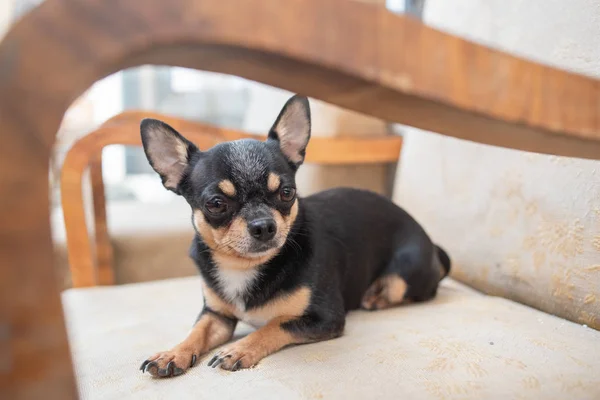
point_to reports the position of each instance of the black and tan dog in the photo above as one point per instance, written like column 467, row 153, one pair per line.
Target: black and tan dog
column 290, row 266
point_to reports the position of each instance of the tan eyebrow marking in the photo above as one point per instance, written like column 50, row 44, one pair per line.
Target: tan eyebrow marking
column 273, row 182
column 227, row 187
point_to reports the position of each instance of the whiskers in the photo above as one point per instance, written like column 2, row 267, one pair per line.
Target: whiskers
column 226, row 247
column 295, row 245
column 231, row 249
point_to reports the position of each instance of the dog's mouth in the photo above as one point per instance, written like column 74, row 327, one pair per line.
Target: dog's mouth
column 256, row 249
column 261, row 249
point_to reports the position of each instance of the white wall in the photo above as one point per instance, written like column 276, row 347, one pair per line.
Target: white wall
column 561, row 33
column 6, row 8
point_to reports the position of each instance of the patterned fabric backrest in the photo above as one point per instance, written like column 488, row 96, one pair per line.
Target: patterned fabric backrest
column 520, row 225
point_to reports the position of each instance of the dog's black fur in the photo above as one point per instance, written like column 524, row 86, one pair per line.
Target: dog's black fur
column 340, row 242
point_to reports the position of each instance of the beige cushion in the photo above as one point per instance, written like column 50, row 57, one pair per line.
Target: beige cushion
column 461, row 345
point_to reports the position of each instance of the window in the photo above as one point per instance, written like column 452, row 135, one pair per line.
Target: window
column 412, row 7
column 196, row 95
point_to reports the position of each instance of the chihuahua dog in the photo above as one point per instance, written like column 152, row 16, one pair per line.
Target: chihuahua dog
column 289, row 266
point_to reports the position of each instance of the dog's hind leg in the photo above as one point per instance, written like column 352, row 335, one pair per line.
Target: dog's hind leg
column 413, row 275
column 387, row 291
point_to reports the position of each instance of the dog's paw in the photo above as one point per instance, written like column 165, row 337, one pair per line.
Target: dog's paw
column 235, row 357
column 373, row 303
column 385, row 292
column 169, row 363
column 375, row 298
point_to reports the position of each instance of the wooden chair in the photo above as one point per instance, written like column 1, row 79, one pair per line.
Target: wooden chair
column 361, row 57
column 90, row 259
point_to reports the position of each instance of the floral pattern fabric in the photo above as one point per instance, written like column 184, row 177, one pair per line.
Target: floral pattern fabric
column 519, row 225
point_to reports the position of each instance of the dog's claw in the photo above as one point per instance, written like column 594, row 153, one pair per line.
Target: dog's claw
column 150, row 365
column 237, row 365
column 212, row 360
column 143, row 367
column 193, row 360
column 167, row 370
column 220, row 360
column 177, row 371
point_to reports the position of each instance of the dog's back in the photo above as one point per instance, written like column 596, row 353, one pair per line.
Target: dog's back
column 364, row 236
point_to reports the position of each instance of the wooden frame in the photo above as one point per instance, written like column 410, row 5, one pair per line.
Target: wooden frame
column 90, row 259
column 350, row 54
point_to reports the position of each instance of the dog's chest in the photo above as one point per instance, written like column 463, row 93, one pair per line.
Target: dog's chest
column 235, row 285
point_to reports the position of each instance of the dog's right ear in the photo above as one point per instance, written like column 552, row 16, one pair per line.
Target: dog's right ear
column 168, row 152
column 291, row 130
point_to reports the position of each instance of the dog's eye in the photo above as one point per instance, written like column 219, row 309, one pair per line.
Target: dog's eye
column 216, row 206
column 287, row 194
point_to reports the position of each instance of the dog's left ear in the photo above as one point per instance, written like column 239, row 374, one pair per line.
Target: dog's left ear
column 169, row 153
column 292, row 129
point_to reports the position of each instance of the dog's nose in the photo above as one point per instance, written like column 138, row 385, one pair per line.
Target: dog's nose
column 262, row 229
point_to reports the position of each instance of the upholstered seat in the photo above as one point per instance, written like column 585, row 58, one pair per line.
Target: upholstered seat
column 464, row 344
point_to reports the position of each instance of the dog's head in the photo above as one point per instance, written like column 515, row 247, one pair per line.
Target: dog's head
column 242, row 193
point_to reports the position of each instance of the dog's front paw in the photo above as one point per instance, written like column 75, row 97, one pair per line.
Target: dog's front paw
column 169, row 363
column 235, row 357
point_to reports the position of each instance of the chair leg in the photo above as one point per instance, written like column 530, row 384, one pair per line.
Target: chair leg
column 79, row 249
column 102, row 245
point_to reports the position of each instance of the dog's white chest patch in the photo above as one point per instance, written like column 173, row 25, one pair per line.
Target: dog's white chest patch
column 235, row 284
column 254, row 322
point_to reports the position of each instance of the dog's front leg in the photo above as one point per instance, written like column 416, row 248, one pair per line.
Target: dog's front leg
column 211, row 330
column 277, row 334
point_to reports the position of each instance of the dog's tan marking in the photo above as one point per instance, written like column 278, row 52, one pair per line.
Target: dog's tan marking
column 285, row 223
column 208, row 333
column 216, row 303
column 273, row 182
column 385, row 292
column 442, row 271
column 236, row 233
column 204, row 229
column 396, row 289
column 288, row 305
column 223, row 243
column 248, row 351
column 289, row 220
column 227, row 187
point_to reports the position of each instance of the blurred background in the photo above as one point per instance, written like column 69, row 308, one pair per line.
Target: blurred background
column 140, row 212
column 533, row 220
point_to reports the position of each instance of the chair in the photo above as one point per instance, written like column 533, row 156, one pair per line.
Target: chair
column 454, row 346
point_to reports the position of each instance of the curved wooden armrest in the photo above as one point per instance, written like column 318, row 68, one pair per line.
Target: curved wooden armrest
column 92, row 265
column 124, row 129
column 347, row 53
